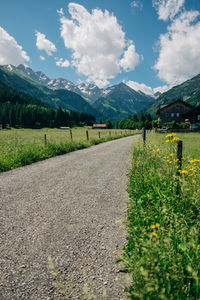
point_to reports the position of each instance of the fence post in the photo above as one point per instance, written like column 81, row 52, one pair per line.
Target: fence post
column 45, row 139
column 71, row 135
column 109, row 133
column 144, row 136
column 179, row 156
column 99, row 134
column 87, row 135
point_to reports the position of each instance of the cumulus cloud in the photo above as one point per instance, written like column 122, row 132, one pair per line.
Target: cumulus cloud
column 130, row 60
column 42, row 43
column 140, row 87
column 42, row 57
column 99, row 48
column 137, row 4
column 147, row 89
column 167, row 9
column 179, row 49
column 63, row 63
column 10, row 51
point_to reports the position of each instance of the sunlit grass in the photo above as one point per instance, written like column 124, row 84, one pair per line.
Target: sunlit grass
column 24, row 146
column 163, row 250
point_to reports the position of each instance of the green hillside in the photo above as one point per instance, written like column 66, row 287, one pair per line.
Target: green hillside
column 189, row 91
column 121, row 102
column 58, row 98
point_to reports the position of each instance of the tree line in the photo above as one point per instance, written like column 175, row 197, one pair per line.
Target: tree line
column 135, row 122
column 34, row 116
column 18, row 109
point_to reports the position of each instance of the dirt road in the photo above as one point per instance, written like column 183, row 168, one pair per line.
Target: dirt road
column 68, row 207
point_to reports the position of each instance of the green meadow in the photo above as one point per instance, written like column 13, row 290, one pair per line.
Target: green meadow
column 163, row 250
column 20, row 147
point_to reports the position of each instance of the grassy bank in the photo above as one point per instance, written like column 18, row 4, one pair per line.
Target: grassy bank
column 163, row 250
column 21, row 147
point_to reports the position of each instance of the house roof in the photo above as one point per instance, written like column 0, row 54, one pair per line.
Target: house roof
column 164, row 107
column 99, row 125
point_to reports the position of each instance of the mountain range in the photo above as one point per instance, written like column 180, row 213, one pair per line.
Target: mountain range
column 114, row 103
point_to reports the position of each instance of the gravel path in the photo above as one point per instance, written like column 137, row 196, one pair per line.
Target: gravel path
column 68, row 207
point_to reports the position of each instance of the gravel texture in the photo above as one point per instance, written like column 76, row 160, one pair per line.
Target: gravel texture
column 69, row 208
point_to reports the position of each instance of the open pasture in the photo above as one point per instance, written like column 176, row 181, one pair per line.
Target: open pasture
column 24, row 146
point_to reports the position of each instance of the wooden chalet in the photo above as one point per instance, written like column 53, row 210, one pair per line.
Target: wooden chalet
column 175, row 111
column 194, row 117
column 99, row 126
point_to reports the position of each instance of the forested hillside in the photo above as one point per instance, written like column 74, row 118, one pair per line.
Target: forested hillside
column 22, row 110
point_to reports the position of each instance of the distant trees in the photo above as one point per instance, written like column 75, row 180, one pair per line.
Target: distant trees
column 34, row 116
column 135, row 122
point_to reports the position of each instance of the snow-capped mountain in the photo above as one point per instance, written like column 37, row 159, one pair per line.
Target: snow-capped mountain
column 88, row 91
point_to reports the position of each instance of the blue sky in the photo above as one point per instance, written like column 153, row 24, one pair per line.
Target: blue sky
column 150, row 45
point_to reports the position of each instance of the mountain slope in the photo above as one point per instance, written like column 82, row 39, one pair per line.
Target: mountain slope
column 65, row 99
column 188, row 91
column 89, row 92
column 122, row 101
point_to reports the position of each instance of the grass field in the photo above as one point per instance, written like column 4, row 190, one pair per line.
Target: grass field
column 163, row 250
column 24, row 146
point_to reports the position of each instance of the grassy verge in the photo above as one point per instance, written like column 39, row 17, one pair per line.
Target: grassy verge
column 23, row 147
column 163, row 250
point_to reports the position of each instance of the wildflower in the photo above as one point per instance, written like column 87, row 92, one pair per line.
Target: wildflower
column 183, row 172
column 156, row 217
column 153, row 226
column 170, row 135
column 167, row 141
column 157, row 149
column 175, row 139
column 157, row 225
column 172, row 155
column 141, row 239
column 154, row 234
column 177, row 160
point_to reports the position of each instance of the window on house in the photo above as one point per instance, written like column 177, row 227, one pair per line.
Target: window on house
column 178, row 115
column 172, row 115
column 198, row 117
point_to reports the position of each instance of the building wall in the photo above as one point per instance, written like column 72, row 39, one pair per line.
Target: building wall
column 173, row 113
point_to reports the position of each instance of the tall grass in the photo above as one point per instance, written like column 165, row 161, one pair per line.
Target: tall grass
column 21, row 147
column 163, row 250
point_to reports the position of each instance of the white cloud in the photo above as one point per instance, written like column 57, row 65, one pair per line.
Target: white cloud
column 140, row 87
column 10, row 51
column 162, row 89
column 179, row 49
column 147, row 89
column 130, row 60
column 42, row 57
column 42, row 43
column 137, row 4
column 167, row 9
column 99, row 47
column 63, row 63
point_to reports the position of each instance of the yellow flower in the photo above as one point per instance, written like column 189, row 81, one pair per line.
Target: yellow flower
column 172, row 155
column 167, row 141
column 157, row 225
column 141, row 239
column 153, row 226
column 183, row 172
column 157, row 149
column 154, row 234
column 156, row 217
column 175, row 139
